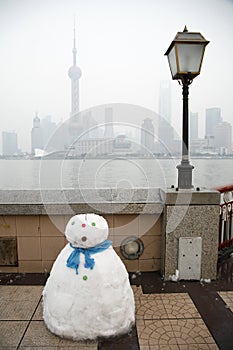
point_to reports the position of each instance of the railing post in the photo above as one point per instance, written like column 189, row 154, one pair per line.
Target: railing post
column 226, row 217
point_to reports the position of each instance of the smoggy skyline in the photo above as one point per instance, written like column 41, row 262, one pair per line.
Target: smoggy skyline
column 120, row 51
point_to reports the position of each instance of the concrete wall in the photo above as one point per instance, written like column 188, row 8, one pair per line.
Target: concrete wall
column 40, row 239
column 36, row 221
column 190, row 214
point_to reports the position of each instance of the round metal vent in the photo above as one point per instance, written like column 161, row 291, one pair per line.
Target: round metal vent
column 132, row 248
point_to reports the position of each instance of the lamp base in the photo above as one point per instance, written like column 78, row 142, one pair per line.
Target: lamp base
column 185, row 175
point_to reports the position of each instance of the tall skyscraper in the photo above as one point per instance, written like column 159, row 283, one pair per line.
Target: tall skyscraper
column 108, row 131
column 89, row 126
column 147, row 137
column 9, row 143
column 223, row 138
column 75, row 74
column 36, row 135
column 213, row 117
column 165, row 100
column 48, row 127
column 193, row 117
column 165, row 137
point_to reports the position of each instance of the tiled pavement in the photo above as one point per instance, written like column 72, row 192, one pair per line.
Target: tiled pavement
column 21, row 322
column 168, row 316
column 170, row 321
column 228, row 299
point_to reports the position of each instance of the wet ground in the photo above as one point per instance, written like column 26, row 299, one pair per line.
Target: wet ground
column 169, row 315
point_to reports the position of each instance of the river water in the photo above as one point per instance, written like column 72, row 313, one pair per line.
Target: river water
column 114, row 173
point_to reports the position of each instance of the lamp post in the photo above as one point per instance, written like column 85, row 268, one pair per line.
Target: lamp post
column 185, row 55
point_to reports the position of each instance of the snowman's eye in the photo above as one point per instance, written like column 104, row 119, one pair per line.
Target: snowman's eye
column 73, row 222
column 93, row 224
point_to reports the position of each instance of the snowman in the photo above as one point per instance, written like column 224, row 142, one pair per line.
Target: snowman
column 88, row 294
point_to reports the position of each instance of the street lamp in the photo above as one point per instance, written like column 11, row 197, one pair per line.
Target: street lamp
column 185, row 55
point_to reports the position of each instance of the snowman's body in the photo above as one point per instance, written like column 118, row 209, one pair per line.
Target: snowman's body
column 95, row 302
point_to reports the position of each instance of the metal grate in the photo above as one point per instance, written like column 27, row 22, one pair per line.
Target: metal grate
column 8, row 251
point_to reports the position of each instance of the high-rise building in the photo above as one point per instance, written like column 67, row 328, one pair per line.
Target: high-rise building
column 36, row 135
column 75, row 74
column 147, row 137
column 165, row 100
column 9, row 143
column 213, row 117
column 41, row 133
column 47, row 128
column 108, row 130
column 165, row 137
column 193, row 126
column 89, row 126
column 223, row 138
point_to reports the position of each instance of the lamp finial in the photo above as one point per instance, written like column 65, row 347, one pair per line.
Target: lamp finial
column 185, row 29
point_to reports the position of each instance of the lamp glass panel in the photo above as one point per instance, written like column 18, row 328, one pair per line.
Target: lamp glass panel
column 190, row 57
column 172, row 61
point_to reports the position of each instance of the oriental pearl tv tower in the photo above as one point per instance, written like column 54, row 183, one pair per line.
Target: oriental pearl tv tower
column 75, row 74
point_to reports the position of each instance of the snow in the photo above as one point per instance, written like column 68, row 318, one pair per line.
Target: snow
column 94, row 303
column 93, row 227
column 206, row 280
column 175, row 277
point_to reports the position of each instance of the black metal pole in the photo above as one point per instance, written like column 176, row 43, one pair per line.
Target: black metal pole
column 185, row 168
column 185, row 131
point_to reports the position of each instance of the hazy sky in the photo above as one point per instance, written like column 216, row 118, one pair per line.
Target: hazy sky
column 121, row 46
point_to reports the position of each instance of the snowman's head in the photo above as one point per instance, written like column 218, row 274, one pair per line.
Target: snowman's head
column 86, row 230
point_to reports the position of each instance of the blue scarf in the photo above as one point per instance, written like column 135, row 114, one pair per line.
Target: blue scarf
column 74, row 258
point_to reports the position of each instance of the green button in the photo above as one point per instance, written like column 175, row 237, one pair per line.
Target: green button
column 85, row 278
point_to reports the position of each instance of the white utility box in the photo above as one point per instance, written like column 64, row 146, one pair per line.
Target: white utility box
column 189, row 258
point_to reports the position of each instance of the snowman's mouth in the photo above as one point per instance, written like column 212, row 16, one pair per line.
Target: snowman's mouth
column 84, row 239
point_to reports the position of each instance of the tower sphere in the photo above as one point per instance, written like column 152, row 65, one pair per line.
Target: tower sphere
column 74, row 72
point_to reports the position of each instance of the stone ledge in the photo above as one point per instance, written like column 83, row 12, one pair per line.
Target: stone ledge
column 70, row 201
column 191, row 197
